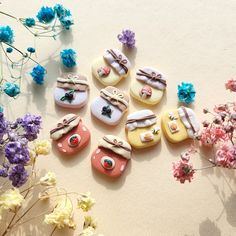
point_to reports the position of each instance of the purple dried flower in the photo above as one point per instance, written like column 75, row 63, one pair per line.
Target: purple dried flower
column 3, row 125
column 31, row 125
column 4, row 170
column 18, row 175
column 17, row 152
column 127, row 37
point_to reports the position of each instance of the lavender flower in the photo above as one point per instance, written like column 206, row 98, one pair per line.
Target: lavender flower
column 18, row 175
column 31, row 125
column 127, row 37
column 3, row 125
column 17, row 153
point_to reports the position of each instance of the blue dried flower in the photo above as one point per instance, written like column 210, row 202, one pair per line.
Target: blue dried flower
column 29, row 22
column 68, row 57
column 46, row 15
column 38, row 74
column 6, row 34
column 11, row 89
column 60, row 10
column 127, row 37
column 18, row 175
column 67, row 20
column 31, row 50
column 186, row 92
column 9, row 50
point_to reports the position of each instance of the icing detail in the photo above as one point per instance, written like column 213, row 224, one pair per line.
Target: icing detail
column 69, row 96
column 172, row 116
column 122, row 168
column 108, row 163
column 104, row 71
column 59, row 145
column 146, row 136
column 106, row 111
column 173, row 126
column 74, row 140
column 84, row 128
column 156, row 130
column 145, row 92
column 98, row 151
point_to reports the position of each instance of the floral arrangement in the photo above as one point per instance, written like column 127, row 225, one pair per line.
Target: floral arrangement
column 217, row 135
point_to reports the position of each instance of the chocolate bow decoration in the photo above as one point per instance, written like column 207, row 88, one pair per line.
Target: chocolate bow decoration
column 153, row 76
column 119, row 59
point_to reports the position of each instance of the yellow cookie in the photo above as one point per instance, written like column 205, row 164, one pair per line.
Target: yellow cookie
column 180, row 124
column 143, row 129
column 149, row 86
column 110, row 68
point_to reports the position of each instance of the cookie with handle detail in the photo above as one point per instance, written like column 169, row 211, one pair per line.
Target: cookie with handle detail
column 110, row 106
column 110, row 68
column 71, row 91
column 111, row 156
column 149, row 86
column 70, row 134
column 143, row 129
column 180, row 124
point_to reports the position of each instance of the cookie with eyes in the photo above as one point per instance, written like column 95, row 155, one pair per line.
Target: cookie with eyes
column 149, row 86
column 70, row 134
column 112, row 156
column 71, row 91
column 143, row 129
column 180, row 124
column 110, row 106
column 110, row 68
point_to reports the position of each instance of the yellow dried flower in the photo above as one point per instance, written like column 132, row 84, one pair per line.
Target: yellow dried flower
column 49, row 179
column 85, row 202
column 89, row 222
column 32, row 154
column 42, row 147
column 62, row 215
column 88, row 232
column 11, row 200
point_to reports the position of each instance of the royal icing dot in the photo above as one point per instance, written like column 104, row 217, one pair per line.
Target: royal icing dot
column 122, row 168
column 59, row 145
column 84, row 129
column 98, row 151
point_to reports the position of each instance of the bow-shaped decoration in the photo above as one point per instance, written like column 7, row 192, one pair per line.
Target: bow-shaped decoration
column 68, row 96
column 153, row 76
column 116, row 95
column 72, row 78
column 117, row 143
column 119, row 59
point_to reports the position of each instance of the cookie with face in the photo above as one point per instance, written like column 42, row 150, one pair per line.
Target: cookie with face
column 180, row 124
column 110, row 68
column 111, row 156
column 71, row 91
column 70, row 134
column 143, row 129
column 110, row 106
column 149, row 86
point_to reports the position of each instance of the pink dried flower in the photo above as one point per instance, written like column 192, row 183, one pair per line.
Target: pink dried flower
column 183, row 170
column 231, row 85
column 205, row 110
column 222, row 108
column 226, row 156
column 212, row 135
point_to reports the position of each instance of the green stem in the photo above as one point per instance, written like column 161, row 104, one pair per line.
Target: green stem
column 6, row 14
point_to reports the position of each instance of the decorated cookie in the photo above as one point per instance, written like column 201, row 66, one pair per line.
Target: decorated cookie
column 71, row 91
column 111, row 68
column 180, row 124
column 111, row 156
column 143, row 129
column 149, row 86
column 70, row 134
column 110, row 106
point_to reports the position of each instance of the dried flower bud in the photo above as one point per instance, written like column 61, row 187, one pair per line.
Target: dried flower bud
column 205, row 123
column 205, row 110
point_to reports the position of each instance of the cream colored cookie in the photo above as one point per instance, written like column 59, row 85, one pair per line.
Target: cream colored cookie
column 110, row 68
column 143, row 129
column 149, row 86
column 179, row 124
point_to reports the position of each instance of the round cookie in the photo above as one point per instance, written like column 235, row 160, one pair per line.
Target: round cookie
column 180, row 124
column 71, row 91
column 110, row 68
column 111, row 156
column 149, row 86
column 143, row 129
column 110, row 106
column 70, row 134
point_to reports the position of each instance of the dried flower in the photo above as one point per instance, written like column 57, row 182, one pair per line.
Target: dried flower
column 42, row 147
column 46, row 15
column 62, row 215
column 226, row 156
column 38, row 74
column 127, row 38
column 49, row 179
column 18, row 175
column 6, row 34
column 89, row 222
column 85, row 201
column 11, row 89
column 68, row 57
column 186, row 92
column 29, row 22
column 231, row 85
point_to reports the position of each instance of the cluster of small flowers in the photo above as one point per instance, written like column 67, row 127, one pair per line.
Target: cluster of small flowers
column 218, row 134
column 14, row 144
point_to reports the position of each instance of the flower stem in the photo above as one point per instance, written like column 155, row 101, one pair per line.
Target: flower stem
column 6, row 14
column 53, row 231
column 206, row 167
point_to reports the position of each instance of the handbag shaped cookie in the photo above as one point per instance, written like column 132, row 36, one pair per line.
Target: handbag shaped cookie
column 110, row 68
column 143, row 129
column 70, row 134
column 110, row 106
column 180, row 124
column 149, row 86
column 71, row 91
column 111, row 156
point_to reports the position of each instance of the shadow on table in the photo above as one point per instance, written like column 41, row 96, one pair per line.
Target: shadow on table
column 208, row 227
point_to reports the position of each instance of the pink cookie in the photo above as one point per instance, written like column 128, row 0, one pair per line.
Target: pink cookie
column 71, row 91
column 110, row 106
column 111, row 156
column 70, row 134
